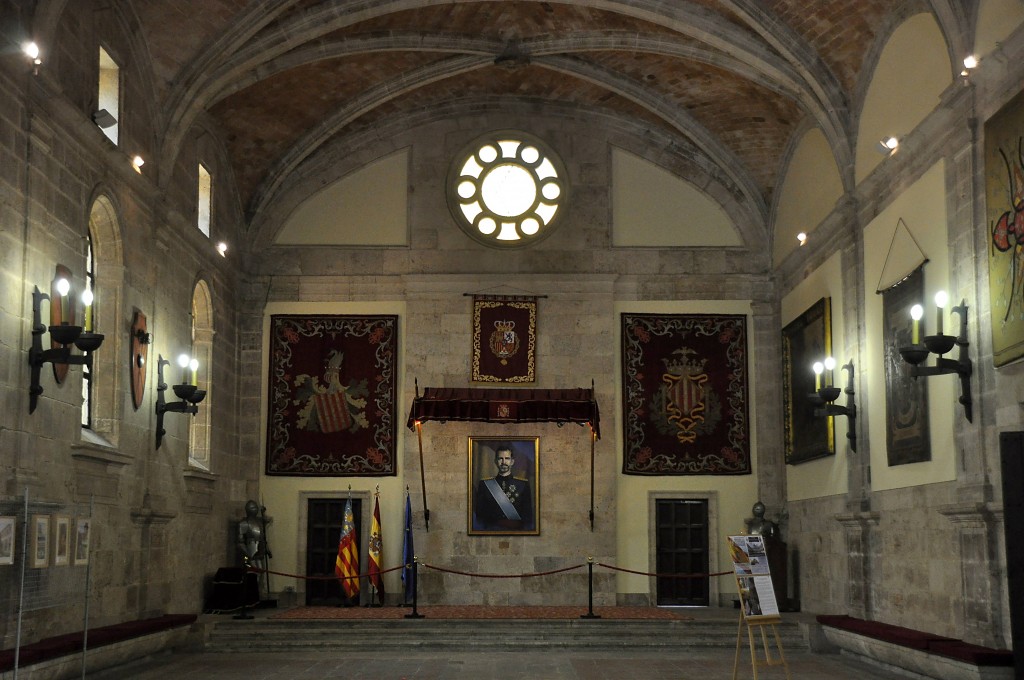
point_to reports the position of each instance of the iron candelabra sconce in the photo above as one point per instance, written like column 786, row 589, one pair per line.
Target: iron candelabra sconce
column 824, row 403
column 940, row 344
column 65, row 335
column 189, row 397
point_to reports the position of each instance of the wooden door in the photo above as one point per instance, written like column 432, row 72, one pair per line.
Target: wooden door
column 682, row 548
column 1011, row 452
column 323, row 530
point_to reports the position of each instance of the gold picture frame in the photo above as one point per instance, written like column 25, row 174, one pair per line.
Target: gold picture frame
column 503, row 501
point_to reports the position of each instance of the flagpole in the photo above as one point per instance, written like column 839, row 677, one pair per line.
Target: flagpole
column 423, row 480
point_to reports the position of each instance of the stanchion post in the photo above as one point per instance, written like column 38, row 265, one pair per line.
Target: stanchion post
column 415, row 589
column 590, row 591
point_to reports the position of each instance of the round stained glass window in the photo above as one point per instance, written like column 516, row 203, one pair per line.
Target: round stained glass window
column 507, row 189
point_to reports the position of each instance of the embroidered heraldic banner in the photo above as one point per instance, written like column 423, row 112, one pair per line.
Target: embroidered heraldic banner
column 332, row 395
column 504, row 339
column 684, row 384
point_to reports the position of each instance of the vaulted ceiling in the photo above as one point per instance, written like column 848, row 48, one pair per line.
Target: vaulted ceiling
column 731, row 80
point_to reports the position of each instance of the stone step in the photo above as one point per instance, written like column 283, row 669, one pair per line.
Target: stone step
column 288, row 635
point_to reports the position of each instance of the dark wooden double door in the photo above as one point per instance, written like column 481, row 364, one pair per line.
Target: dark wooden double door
column 681, row 527
column 323, row 531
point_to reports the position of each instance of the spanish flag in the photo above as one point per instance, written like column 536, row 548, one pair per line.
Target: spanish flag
column 347, row 564
column 376, row 551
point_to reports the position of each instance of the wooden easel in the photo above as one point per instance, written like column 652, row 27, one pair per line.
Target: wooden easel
column 760, row 622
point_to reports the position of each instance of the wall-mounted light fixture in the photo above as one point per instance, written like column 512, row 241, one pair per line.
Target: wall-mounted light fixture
column 188, row 394
column 939, row 344
column 888, row 145
column 31, row 50
column 63, row 335
column 824, row 398
column 137, row 163
column 222, row 248
column 970, row 63
column 802, row 237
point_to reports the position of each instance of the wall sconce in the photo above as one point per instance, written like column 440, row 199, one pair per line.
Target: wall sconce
column 939, row 344
column 137, row 163
column 63, row 335
column 825, row 397
column 189, row 396
column 888, row 145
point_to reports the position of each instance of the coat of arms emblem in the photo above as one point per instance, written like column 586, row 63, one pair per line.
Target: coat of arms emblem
column 504, row 341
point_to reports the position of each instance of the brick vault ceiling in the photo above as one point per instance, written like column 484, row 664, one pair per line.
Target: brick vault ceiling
column 732, row 80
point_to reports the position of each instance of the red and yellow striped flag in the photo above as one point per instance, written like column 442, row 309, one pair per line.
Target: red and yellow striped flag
column 376, row 551
column 347, row 564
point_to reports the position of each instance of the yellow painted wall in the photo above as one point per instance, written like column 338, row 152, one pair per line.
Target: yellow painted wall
column 824, row 476
column 283, row 495
column 809, row 192
column 997, row 19
column 911, row 74
column 923, row 208
column 736, row 494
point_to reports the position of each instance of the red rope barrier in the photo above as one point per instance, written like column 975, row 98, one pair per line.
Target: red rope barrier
column 466, row 573
column 333, row 577
column 657, row 575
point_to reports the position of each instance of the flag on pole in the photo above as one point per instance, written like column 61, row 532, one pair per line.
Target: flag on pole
column 347, row 563
column 408, row 553
column 376, row 551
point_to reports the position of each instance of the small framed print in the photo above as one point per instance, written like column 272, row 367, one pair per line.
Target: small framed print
column 7, row 543
column 504, row 485
column 83, row 526
column 61, row 540
column 40, row 541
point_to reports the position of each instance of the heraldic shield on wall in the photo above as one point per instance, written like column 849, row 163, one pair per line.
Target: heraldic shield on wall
column 684, row 384
column 504, row 339
column 331, row 395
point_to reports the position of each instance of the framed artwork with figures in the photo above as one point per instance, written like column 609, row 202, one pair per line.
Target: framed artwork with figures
column 504, row 485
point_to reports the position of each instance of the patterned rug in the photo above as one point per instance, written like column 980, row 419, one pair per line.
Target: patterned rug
column 480, row 612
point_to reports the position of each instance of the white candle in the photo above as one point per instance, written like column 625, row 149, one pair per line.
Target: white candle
column 940, row 303
column 818, row 368
column 916, row 312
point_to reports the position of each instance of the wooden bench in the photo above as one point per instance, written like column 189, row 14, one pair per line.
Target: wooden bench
column 931, row 655
column 70, row 644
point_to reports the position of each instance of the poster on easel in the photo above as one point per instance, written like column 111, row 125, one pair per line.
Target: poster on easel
column 753, row 577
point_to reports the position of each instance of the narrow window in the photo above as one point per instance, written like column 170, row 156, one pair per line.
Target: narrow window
column 88, row 321
column 205, row 205
column 202, row 349
column 108, row 112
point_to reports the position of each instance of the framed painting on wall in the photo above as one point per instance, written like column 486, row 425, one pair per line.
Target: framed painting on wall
column 40, row 541
column 61, row 540
column 1004, row 198
column 7, row 540
column 907, row 436
column 504, row 485
column 806, row 339
column 83, row 528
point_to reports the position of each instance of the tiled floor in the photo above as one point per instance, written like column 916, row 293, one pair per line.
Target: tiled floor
column 499, row 665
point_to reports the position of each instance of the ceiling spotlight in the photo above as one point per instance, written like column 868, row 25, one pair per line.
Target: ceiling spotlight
column 802, row 237
column 888, row 145
column 222, row 248
column 137, row 163
column 970, row 61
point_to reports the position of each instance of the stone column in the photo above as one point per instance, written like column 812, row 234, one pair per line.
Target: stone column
column 766, row 341
column 857, row 535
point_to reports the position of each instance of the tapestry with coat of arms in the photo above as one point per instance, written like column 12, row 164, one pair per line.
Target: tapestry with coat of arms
column 504, row 339
column 332, row 395
column 684, row 394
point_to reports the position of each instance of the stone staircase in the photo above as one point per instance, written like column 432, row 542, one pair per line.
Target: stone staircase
column 275, row 635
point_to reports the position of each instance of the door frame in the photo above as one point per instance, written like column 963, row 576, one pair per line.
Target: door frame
column 303, row 526
column 714, row 592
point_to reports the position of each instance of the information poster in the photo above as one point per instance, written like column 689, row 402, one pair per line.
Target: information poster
column 753, row 578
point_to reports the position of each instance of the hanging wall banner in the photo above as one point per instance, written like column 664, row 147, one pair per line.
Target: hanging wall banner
column 684, row 394
column 906, row 398
column 332, row 395
column 504, row 339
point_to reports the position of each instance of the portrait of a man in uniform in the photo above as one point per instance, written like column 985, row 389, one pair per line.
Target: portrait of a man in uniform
column 503, row 490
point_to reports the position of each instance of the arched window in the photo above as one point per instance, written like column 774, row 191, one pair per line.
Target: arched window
column 202, row 349
column 90, row 311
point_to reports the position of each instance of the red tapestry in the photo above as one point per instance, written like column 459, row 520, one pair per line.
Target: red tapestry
column 504, row 339
column 684, row 394
column 332, row 395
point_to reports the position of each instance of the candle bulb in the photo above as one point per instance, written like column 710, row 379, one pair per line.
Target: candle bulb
column 940, row 303
column 818, row 368
column 87, row 299
column 194, row 365
column 830, row 365
column 63, row 287
column 916, row 312
column 183, row 361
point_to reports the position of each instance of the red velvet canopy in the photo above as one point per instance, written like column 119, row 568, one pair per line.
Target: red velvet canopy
column 491, row 405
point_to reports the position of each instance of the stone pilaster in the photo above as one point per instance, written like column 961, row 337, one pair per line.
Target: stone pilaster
column 857, row 534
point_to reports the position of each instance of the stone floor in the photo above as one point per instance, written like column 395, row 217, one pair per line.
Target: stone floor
column 499, row 665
